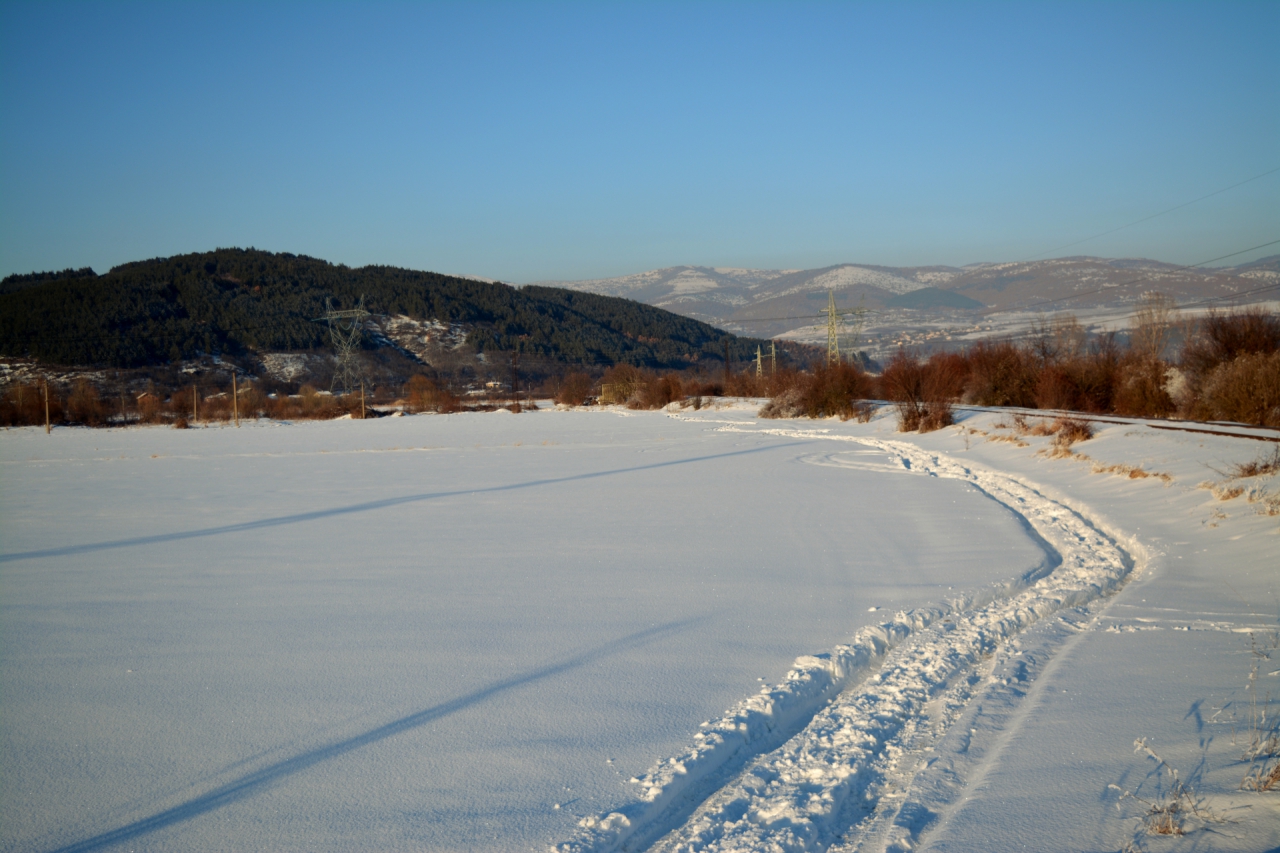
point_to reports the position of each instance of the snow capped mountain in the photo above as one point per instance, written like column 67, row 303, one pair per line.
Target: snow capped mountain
column 731, row 297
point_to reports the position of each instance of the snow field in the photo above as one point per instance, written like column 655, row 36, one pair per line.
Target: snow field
column 497, row 632
column 432, row 633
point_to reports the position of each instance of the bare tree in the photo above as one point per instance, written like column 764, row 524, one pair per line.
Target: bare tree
column 1153, row 323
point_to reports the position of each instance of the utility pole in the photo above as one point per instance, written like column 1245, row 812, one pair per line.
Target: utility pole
column 362, row 409
column 515, row 378
column 773, row 353
column 47, row 428
column 235, row 399
column 195, row 405
column 726, row 365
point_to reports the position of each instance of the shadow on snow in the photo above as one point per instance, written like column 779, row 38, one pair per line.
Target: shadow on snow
column 259, row 780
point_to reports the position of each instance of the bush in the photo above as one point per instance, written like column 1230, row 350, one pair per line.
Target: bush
column 923, row 391
column 1222, row 337
column 656, row 392
column 84, row 406
column 1246, row 389
column 424, row 395
column 1141, row 390
column 839, row 390
column 574, row 390
column 620, row 383
column 23, row 405
column 1000, row 374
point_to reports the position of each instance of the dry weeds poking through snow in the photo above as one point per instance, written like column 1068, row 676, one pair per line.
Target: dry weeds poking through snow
column 1175, row 810
column 1256, row 492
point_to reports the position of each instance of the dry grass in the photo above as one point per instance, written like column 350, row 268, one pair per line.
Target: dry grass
column 1011, row 439
column 1175, row 811
column 1265, row 465
column 1263, row 749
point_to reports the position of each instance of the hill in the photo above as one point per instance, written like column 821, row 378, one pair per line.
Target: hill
column 775, row 302
column 248, row 302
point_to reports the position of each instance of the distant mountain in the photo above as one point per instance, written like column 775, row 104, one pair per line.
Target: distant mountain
column 769, row 302
column 241, row 302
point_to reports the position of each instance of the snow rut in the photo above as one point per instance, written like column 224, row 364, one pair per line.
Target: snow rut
column 794, row 767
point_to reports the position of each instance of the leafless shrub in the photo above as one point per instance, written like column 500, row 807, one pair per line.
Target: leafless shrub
column 23, row 405
column 423, row 394
column 1141, row 390
column 656, row 392
column 574, row 390
column 1246, row 389
column 1000, row 374
column 84, row 405
column 1221, row 337
column 923, row 391
column 1154, row 320
column 838, row 390
column 620, row 383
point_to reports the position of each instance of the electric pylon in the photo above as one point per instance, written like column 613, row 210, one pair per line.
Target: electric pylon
column 759, row 363
column 345, row 328
column 835, row 322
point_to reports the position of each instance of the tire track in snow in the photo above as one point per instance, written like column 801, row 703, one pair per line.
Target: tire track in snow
column 794, row 767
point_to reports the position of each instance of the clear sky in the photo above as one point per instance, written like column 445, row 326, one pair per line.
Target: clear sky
column 527, row 141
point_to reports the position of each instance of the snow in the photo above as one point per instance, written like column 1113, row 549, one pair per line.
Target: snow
column 601, row 630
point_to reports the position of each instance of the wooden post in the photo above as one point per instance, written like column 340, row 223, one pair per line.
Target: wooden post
column 195, row 406
column 46, row 407
column 235, row 399
column 726, row 366
column 361, row 401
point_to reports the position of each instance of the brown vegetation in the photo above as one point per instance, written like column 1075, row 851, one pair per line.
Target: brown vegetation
column 422, row 394
column 1229, row 369
column 575, row 390
column 923, row 391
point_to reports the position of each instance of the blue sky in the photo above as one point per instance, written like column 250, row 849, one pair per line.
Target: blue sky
column 528, row 141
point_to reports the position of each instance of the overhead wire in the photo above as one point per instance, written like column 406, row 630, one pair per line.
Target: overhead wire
column 1154, row 215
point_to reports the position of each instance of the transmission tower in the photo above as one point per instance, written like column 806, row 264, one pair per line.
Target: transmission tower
column 345, row 328
column 835, row 323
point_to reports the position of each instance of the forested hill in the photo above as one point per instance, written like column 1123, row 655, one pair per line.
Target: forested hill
column 239, row 301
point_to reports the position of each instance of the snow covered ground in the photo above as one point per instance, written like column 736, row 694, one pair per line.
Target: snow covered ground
column 609, row 630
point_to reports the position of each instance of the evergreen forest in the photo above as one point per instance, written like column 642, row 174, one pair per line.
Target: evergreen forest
column 240, row 302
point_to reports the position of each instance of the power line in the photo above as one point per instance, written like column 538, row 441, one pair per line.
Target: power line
column 1154, row 215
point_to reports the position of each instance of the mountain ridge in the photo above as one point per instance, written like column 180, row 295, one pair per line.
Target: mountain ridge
column 732, row 298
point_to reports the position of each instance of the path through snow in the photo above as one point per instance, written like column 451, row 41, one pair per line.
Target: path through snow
column 835, row 755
